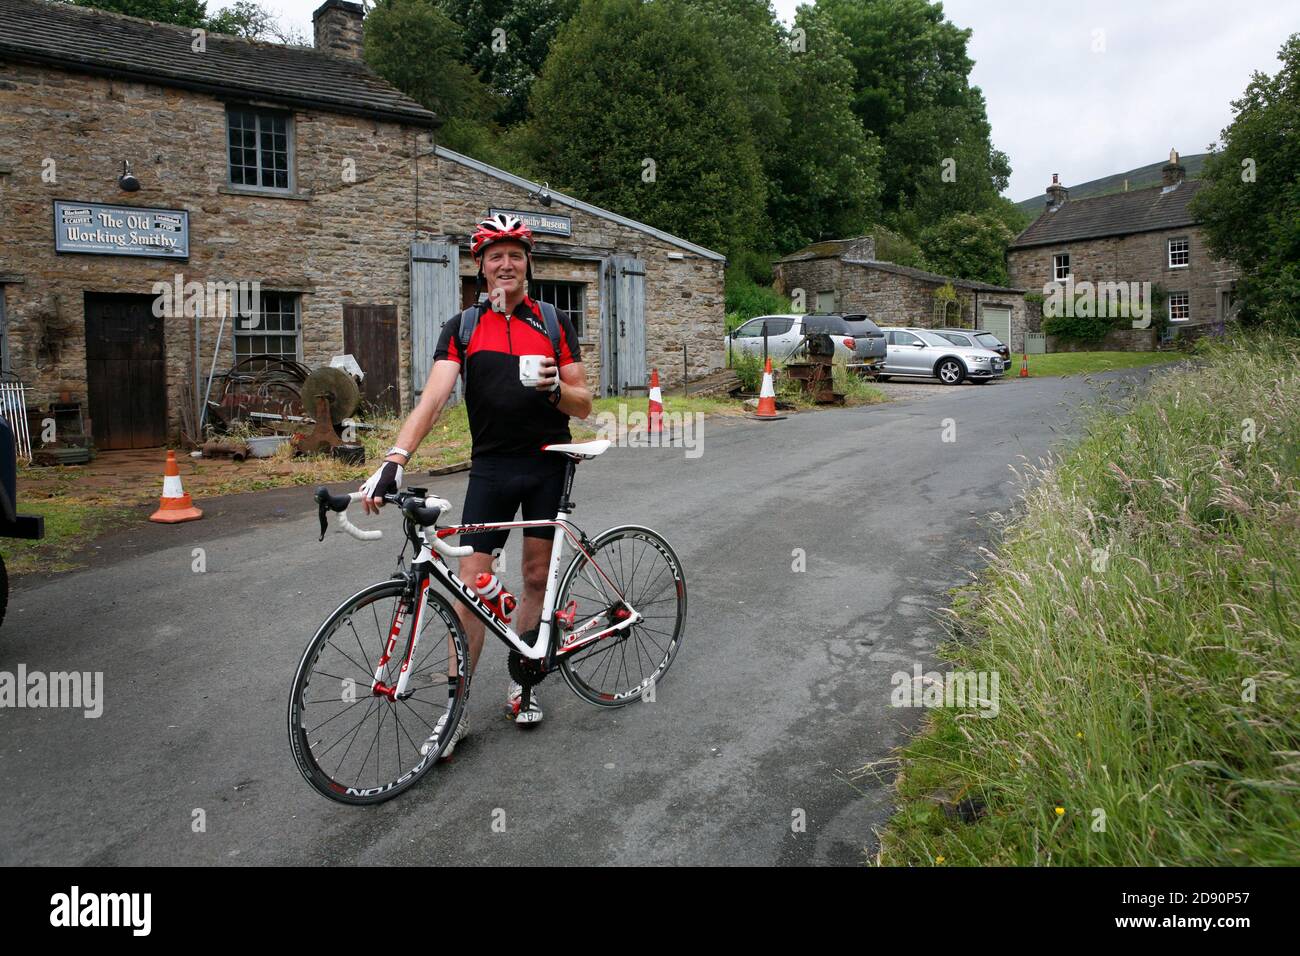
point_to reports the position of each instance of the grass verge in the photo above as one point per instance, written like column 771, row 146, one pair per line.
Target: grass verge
column 1144, row 620
column 1084, row 363
column 68, row 525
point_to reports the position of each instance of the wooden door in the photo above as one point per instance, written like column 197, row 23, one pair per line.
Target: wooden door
column 126, row 374
column 435, row 294
column 370, row 335
column 625, row 316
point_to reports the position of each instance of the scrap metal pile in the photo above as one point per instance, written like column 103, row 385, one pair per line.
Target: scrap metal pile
column 264, row 401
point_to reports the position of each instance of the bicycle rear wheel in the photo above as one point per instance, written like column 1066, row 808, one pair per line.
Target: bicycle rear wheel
column 350, row 744
column 639, row 564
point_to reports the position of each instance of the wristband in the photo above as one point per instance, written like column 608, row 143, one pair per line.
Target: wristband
column 554, row 395
column 398, row 451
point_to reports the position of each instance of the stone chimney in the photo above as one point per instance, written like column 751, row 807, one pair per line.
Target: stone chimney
column 337, row 28
column 1056, row 193
column 1173, row 172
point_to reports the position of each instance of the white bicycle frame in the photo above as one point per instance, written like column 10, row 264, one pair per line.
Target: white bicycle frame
column 431, row 555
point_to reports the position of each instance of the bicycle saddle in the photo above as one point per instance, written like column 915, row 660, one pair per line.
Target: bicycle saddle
column 582, row 449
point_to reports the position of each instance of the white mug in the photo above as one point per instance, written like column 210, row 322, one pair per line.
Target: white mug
column 530, row 370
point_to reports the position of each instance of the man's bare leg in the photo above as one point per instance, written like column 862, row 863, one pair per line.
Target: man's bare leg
column 471, row 566
column 537, row 564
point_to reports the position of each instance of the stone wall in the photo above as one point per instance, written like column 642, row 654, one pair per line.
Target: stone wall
column 812, row 276
column 1140, row 257
column 1116, row 340
column 335, row 242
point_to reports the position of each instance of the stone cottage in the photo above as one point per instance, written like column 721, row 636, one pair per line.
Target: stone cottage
column 844, row 275
column 137, row 158
column 1139, row 236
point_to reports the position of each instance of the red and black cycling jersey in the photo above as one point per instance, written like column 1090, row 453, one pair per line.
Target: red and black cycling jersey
column 506, row 417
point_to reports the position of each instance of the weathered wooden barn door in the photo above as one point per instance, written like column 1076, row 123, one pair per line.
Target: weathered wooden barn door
column 126, row 374
column 625, row 317
column 370, row 335
column 435, row 297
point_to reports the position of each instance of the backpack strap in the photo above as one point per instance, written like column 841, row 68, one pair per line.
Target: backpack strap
column 469, row 319
column 552, row 320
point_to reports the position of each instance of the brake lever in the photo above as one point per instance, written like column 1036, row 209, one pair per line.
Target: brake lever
column 321, row 498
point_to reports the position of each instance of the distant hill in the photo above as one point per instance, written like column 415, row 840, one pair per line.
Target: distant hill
column 1138, row 178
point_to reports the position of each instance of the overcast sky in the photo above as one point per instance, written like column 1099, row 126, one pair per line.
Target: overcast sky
column 1167, row 73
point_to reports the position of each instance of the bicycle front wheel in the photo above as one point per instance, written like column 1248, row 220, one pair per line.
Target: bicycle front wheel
column 642, row 567
column 353, row 745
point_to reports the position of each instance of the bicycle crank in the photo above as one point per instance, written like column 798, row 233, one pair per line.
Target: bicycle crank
column 525, row 671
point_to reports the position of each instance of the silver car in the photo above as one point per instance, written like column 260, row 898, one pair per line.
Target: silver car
column 786, row 332
column 922, row 353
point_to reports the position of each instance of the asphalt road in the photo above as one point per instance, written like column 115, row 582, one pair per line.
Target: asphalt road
column 782, row 686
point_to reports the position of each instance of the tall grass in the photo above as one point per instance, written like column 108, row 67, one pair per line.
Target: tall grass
column 1144, row 618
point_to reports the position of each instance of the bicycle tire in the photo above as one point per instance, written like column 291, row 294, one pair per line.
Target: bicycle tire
column 658, row 646
column 309, row 754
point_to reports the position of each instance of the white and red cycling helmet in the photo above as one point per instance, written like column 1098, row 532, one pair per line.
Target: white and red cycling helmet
column 500, row 228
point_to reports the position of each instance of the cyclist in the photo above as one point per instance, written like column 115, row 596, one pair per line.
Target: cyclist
column 509, row 423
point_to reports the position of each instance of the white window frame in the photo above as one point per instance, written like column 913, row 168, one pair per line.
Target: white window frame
column 576, row 289
column 1186, row 251
column 1187, row 297
column 290, row 152
column 242, row 333
column 1056, row 266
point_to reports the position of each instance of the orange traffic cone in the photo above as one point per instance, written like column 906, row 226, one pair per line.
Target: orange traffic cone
column 656, row 404
column 174, row 505
column 1024, row 365
column 767, row 397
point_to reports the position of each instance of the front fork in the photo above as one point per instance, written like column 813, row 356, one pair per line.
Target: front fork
column 417, row 600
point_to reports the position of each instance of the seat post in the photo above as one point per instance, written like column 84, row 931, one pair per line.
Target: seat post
column 566, row 503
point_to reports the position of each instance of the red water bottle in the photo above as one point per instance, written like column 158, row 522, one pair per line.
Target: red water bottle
column 501, row 601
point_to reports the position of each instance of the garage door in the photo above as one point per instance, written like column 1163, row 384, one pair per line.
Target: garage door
column 998, row 321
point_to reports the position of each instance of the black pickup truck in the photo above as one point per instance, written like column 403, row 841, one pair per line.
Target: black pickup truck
column 12, row 524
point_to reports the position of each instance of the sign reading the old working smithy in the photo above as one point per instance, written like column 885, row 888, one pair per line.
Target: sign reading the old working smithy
column 121, row 230
column 540, row 221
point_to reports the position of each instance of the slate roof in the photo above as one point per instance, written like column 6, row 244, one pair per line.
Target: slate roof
column 95, row 41
column 921, row 274
column 827, row 249
column 1142, row 210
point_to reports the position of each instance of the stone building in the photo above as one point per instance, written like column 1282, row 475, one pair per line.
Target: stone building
column 137, row 157
column 843, row 275
column 1142, row 236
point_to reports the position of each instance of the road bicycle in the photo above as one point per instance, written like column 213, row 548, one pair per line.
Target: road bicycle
column 392, row 659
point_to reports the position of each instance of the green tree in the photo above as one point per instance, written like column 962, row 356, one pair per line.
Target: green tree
column 243, row 18
column 825, row 179
column 1249, row 203
column 969, row 246
column 509, row 61
column 635, row 111
column 912, row 90
column 416, row 47
column 186, row 13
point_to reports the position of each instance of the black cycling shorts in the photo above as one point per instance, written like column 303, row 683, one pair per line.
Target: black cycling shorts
column 500, row 486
